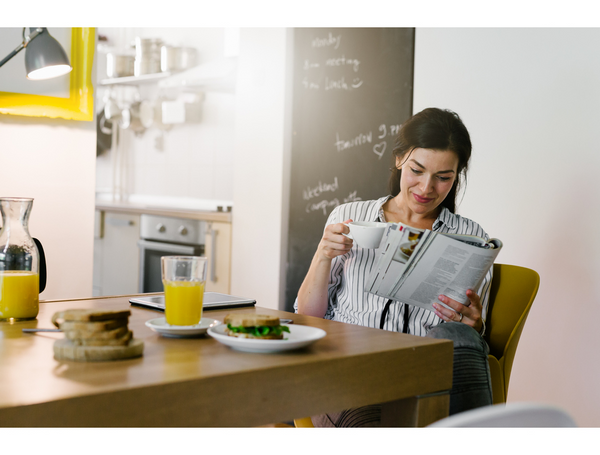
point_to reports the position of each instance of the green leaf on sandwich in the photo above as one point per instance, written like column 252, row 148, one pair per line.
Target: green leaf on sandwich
column 260, row 330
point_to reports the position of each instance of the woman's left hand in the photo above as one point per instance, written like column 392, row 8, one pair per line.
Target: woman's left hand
column 469, row 314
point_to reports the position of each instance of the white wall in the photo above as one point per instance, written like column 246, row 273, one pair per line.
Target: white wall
column 261, row 171
column 53, row 161
column 530, row 99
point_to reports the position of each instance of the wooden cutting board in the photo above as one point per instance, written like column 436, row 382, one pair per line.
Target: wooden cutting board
column 65, row 350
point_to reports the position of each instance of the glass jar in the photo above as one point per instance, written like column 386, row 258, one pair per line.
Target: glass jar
column 19, row 262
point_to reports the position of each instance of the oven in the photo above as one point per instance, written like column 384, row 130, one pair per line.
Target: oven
column 167, row 236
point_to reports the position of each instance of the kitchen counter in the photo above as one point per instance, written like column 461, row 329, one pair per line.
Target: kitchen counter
column 139, row 209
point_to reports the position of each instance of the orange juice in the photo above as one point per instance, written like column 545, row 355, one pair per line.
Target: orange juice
column 183, row 302
column 19, row 295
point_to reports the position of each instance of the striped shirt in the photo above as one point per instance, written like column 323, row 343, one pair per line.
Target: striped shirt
column 348, row 300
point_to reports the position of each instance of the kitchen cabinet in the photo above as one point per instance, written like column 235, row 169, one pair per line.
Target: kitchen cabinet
column 116, row 257
column 218, row 252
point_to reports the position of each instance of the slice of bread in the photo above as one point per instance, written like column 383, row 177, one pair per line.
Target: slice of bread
column 98, row 335
column 251, row 320
column 99, row 326
column 88, row 315
column 65, row 350
column 121, row 341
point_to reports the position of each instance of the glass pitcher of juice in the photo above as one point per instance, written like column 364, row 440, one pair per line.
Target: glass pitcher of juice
column 19, row 262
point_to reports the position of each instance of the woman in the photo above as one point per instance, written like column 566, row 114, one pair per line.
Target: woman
column 431, row 158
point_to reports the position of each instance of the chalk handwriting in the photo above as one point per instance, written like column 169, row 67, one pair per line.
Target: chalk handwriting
column 329, row 41
column 326, row 205
column 310, row 85
column 394, row 130
column 323, row 205
column 308, row 65
column 358, row 140
column 309, row 192
column 342, row 61
column 352, row 197
column 341, row 84
column 379, row 149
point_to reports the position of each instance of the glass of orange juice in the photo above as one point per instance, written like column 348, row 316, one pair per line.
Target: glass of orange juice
column 184, row 278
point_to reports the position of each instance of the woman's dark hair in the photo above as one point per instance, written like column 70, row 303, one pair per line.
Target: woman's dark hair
column 436, row 129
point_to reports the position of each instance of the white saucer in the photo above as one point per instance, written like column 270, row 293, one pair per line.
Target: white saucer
column 299, row 337
column 181, row 331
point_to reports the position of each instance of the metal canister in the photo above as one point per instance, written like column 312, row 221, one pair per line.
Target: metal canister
column 119, row 65
column 174, row 58
column 147, row 56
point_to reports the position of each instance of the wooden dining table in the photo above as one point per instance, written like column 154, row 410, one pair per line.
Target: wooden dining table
column 200, row 382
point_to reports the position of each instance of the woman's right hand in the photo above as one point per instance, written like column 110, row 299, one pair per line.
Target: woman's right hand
column 313, row 296
column 334, row 243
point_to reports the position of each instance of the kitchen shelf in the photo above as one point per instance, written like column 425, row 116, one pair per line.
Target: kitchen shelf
column 135, row 80
column 216, row 75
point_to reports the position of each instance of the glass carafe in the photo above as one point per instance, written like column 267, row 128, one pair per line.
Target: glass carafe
column 19, row 262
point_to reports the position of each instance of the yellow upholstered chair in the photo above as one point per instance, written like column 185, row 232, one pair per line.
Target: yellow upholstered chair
column 304, row 422
column 513, row 290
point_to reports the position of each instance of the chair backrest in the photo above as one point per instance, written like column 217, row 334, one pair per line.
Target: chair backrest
column 511, row 415
column 513, row 290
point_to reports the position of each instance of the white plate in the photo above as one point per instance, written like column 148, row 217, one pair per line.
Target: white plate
column 160, row 325
column 299, row 337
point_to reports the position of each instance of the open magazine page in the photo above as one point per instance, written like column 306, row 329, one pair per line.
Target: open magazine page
column 385, row 268
column 398, row 245
column 472, row 240
column 448, row 267
column 421, row 247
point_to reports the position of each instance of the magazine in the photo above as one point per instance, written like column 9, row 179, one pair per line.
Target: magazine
column 415, row 266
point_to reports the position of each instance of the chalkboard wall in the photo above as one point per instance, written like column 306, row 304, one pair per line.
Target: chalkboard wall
column 353, row 89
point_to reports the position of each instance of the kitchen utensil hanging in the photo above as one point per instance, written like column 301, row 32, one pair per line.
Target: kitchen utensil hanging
column 138, row 117
column 103, row 133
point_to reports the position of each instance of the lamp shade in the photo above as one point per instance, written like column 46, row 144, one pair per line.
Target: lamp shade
column 45, row 57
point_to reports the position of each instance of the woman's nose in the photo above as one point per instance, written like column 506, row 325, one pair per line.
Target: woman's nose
column 426, row 184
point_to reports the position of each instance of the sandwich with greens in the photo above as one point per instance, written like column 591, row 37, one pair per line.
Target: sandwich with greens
column 257, row 326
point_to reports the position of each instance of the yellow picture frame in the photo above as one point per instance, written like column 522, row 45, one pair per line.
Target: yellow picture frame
column 80, row 104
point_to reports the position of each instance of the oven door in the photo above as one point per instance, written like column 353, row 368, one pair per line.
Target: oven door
column 150, row 254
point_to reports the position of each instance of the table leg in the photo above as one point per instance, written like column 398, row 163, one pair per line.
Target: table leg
column 418, row 411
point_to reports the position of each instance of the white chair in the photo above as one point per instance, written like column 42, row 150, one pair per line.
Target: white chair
column 511, row 415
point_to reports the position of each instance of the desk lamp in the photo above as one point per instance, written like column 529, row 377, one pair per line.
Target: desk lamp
column 45, row 58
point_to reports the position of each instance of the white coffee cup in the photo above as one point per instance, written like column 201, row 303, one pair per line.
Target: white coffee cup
column 367, row 234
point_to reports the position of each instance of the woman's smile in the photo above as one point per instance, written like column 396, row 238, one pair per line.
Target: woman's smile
column 422, row 200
